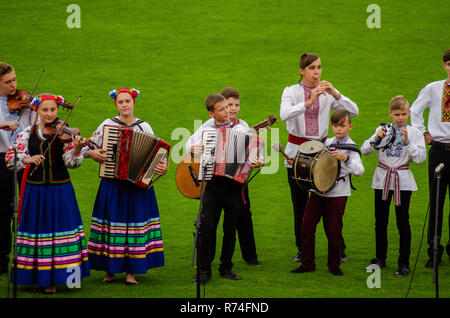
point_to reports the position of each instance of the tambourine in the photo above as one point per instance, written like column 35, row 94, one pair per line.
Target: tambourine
column 388, row 140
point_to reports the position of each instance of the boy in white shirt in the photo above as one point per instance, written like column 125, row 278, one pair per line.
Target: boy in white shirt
column 331, row 205
column 392, row 177
column 220, row 193
column 245, row 224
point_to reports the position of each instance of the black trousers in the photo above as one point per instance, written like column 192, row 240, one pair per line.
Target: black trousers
column 299, row 198
column 381, row 225
column 245, row 231
column 6, row 210
column 436, row 155
column 220, row 194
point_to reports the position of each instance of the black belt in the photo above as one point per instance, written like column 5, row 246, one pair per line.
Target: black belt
column 441, row 145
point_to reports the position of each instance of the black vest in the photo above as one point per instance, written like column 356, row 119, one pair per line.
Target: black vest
column 53, row 170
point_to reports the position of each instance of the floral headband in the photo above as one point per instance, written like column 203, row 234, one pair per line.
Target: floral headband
column 133, row 92
column 38, row 100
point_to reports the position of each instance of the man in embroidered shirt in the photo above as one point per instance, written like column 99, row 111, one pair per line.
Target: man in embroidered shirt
column 436, row 97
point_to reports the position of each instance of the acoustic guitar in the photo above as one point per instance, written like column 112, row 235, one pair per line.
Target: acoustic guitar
column 187, row 170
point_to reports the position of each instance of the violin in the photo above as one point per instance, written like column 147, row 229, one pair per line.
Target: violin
column 65, row 133
column 22, row 98
column 19, row 100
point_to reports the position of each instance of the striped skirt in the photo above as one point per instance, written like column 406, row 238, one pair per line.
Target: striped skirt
column 51, row 244
column 125, row 229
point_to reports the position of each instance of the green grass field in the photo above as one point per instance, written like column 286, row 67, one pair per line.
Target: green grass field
column 177, row 52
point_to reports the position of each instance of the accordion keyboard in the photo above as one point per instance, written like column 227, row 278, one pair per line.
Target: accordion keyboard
column 111, row 137
column 207, row 157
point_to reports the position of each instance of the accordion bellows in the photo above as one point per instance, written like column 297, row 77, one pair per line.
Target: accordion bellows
column 131, row 155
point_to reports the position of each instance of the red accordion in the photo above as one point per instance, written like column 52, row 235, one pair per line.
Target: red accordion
column 228, row 152
column 131, row 155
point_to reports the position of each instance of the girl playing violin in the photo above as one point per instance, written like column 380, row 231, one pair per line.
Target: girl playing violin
column 125, row 230
column 11, row 123
column 51, row 239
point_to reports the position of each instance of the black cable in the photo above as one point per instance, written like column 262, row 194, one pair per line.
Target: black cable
column 418, row 252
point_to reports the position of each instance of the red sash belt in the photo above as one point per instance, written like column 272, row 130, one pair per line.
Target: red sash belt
column 299, row 140
column 387, row 181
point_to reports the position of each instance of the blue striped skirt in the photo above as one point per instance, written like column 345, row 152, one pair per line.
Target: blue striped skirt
column 125, row 229
column 51, row 244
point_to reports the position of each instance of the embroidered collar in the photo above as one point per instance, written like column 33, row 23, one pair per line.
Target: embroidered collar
column 302, row 83
column 225, row 125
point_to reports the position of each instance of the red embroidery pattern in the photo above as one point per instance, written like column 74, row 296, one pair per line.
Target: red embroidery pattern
column 446, row 103
column 311, row 114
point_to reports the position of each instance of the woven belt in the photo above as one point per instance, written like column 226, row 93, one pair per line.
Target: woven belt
column 387, row 181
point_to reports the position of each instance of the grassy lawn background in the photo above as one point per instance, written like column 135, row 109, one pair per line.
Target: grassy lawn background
column 176, row 53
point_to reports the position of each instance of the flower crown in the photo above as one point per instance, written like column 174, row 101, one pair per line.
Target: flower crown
column 38, row 100
column 133, row 92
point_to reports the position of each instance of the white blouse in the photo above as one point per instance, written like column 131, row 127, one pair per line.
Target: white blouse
column 97, row 135
column 398, row 154
column 293, row 108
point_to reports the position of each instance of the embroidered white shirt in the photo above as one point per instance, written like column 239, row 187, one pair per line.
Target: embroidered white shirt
column 398, row 154
column 293, row 108
column 7, row 137
column 431, row 97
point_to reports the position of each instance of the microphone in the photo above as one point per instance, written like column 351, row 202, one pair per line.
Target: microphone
column 439, row 168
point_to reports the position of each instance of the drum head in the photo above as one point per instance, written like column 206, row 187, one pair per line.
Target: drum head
column 310, row 147
column 326, row 171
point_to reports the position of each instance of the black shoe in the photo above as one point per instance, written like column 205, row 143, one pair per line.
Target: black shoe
column 403, row 270
column 254, row 262
column 230, row 274
column 337, row 272
column 344, row 257
column 375, row 261
column 430, row 263
column 301, row 269
column 298, row 257
column 204, row 276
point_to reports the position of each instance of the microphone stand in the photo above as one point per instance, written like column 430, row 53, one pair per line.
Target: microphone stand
column 436, row 237
column 15, row 227
column 197, row 241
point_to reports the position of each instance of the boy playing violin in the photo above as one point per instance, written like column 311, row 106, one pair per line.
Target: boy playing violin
column 11, row 124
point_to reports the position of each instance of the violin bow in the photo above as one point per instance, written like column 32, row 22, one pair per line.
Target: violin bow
column 57, row 133
column 32, row 93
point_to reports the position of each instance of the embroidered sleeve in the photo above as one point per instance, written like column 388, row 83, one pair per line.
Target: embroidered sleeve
column 20, row 147
column 70, row 160
column 96, row 138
